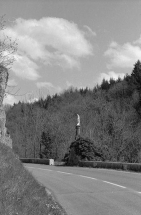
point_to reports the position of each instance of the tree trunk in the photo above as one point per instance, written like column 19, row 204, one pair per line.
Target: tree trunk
column 4, row 137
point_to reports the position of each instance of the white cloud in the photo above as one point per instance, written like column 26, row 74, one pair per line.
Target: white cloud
column 138, row 41
column 124, row 56
column 32, row 100
column 69, row 84
column 66, row 61
column 89, row 31
column 75, row 86
column 110, row 74
column 44, row 84
column 51, row 88
column 11, row 83
column 10, row 99
column 25, row 68
column 48, row 40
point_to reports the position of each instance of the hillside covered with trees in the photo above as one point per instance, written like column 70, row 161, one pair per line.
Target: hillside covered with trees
column 110, row 117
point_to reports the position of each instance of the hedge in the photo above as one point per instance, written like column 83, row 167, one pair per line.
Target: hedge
column 111, row 165
column 35, row 160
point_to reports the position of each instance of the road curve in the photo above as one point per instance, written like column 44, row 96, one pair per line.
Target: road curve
column 89, row 191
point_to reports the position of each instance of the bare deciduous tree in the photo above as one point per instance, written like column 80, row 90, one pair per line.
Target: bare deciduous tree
column 8, row 47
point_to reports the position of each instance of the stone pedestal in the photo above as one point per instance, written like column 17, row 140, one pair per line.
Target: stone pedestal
column 51, row 161
column 77, row 135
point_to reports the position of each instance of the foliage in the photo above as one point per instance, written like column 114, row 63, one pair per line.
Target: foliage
column 46, row 142
column 8, row 47
column 110, row 117
column 82, row 149
column 136, row 75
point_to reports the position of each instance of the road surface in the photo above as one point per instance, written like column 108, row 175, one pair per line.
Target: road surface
column 90, row 191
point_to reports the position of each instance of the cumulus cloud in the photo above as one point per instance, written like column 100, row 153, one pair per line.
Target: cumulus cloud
column 89, row 32
column 10, row 99
column 32, row 100
column 124, row 56
column 110, row 74
column 25, row 68
column 48, row 85
column 66, row 61
column 138, row 41
column 11, row 83
column 44, row 84
column 48, row 41
column 69, row 84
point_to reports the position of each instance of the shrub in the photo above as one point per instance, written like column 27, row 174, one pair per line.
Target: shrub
column 82, row 149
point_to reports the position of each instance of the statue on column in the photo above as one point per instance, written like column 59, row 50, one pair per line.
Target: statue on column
column 77, row 127
column 78, row 120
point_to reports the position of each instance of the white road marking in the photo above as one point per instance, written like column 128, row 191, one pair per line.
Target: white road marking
column 68, row 173
column 82, row 176
column 87, row 177
column 114, row 184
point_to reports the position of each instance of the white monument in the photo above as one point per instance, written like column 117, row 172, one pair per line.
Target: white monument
column 78, row 120
column 77, row 127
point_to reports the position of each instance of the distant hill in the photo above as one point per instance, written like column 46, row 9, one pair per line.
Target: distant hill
column 110, row 116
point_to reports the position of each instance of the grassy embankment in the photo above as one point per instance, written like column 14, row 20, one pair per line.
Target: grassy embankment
column 20, row 193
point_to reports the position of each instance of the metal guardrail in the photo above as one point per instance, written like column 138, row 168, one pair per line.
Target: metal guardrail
column 37, row 161
column 136, row 167
column 112, row 165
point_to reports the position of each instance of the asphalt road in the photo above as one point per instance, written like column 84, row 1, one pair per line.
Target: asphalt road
column 89, row 191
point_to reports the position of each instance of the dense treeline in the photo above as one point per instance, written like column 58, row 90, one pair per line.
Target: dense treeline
column 110, row 116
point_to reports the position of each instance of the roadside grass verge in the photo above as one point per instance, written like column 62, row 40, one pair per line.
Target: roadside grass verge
column 20, row 193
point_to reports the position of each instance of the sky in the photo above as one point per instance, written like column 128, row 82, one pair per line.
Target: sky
column 65, row 43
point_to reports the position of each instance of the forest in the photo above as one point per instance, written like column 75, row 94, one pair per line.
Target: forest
column 110, row 117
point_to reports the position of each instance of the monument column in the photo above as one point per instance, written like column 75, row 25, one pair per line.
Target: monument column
column 77, row 127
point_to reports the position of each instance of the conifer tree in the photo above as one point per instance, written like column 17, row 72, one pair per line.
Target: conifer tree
column 136, row 75
column 46, row 143
column 134, row 82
